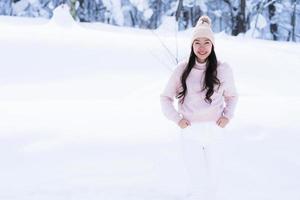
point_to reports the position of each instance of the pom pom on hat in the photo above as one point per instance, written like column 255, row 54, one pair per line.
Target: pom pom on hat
column 204, row 20
column 203, row 29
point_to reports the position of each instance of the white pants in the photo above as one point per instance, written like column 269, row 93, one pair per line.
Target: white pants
column 202, row 156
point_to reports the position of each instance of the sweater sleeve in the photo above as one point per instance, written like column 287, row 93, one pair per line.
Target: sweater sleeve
column 168, row 94
column 230, row 93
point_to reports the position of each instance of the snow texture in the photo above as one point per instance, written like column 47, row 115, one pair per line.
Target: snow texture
column 81, row 119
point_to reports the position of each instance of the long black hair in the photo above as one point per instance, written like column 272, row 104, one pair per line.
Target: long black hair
column 210, row 80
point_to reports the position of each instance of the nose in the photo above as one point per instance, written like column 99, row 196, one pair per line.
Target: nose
column 201, row 49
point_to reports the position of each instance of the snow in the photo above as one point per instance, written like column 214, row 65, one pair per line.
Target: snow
column 148, row 14
column 279, row 7
column 203, row 6
column 188, row 3
column 117, row 12
column 19, row 6
column 80, row 114
column 62, row 17
column 257, row 24
column 258, row 21
column 33, row 1
column 140, row 4
column 217, row 13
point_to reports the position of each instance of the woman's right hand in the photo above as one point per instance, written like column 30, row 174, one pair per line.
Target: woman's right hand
column 183, row 123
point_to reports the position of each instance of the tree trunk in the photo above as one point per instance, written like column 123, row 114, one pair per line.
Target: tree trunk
column 179, row 9
column 240, row 20
column 231, row 13
column 273, row 24
column 293, row 22
column 197, row 12
column 133, row 24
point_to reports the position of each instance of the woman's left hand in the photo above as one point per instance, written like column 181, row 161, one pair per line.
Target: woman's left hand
column 222, row 121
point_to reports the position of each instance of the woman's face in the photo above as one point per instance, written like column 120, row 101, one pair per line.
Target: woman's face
column 202, row 48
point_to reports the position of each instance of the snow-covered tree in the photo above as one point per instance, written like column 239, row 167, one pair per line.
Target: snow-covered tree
column 5, row 7
column 266, row 19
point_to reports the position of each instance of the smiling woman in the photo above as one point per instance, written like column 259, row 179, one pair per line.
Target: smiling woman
column 202, row 48
column 206, row 93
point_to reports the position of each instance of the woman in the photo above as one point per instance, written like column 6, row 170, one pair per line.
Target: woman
column 207, row 98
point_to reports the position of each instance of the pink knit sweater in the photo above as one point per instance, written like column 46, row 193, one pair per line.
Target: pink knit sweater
column 194, row 108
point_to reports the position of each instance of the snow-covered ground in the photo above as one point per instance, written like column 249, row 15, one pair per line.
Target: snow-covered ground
column 80, row 115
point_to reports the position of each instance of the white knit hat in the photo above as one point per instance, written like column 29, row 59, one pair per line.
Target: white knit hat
column 203, row 29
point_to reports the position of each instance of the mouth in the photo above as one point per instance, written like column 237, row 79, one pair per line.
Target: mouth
column 202, row 54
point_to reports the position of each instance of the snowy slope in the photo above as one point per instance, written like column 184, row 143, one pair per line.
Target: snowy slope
column 80, row 114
